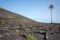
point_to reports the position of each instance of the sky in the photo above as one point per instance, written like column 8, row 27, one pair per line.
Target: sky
column 37, row 10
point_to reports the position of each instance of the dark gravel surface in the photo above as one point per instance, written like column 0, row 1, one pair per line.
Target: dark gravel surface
column 38, row 34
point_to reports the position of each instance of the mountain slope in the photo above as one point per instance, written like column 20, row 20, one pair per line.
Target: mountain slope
column 13, row 18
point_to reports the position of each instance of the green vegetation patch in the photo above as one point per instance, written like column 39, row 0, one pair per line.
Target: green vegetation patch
column 31, row 36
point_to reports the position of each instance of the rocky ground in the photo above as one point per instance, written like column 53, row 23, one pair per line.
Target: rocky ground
column 28, row 34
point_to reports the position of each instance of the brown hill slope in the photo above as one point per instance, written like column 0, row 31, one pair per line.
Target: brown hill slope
column 10, row 18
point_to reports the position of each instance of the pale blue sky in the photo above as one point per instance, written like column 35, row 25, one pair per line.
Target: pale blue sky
column 35, row 9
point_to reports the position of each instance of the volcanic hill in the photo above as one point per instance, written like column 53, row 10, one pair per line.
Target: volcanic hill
column 15, row 24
